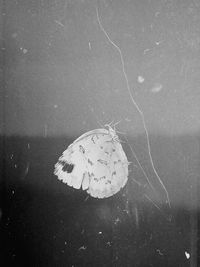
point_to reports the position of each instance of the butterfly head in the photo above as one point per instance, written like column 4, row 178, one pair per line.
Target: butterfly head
column 112, row 132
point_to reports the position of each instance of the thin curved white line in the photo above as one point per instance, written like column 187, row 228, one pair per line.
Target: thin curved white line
column 135, row 104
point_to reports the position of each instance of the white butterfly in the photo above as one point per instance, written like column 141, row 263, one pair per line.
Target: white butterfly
column 96, row 162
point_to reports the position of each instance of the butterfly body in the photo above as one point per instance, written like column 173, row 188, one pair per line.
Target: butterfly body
column 95, row 162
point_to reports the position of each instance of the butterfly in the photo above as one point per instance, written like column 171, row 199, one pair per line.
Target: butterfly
column 95, row 162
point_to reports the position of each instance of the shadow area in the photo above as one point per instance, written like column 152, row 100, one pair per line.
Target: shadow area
column 47, row 223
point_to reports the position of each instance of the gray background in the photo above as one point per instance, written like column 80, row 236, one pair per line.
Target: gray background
column 62, row 77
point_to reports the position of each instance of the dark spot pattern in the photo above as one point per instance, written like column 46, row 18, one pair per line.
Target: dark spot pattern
column 114, row 173
column 81, row 149
column 68, row 167
column 90, row 162
column 93, row 139
column 102, row 161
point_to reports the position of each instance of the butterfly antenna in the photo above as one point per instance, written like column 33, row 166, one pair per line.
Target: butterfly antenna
column 113, row 127
column 109, row 125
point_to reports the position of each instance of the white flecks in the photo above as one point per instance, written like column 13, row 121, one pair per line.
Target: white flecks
column 108, row 243
column 187, row 255
column 158, row 42
column 65, row 243
column 55, row 106
column 11, row 156
column 140, row 79
column 28, row 146
column 83, row 231
column 100, row 233
column 117, row 220
column 159, row 252
column 82, row 248
column 27, row 169
column 156, row 88
column 128, row 119
column 15, row 166
column 13, row 192
column 8, row 221
column 89, row 44
column 24, row 50
column 59, row 23
column 146, row 50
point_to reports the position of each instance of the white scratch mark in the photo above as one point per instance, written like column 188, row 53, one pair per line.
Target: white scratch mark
column 89, row 45
column 27, row 169
column 187, row 255
column 117, row 220
column 59, row 23
column 140, row 79
column 128, row 119
column 82, row 248
column 159, row 42
column 146, row 50
column 25, row 51
column 157, row 88
column 159, row 252
column 135, row 104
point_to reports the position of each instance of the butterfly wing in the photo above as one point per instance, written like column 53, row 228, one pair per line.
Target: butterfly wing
column 109, row 173
column 70, row 167
column 96, row 162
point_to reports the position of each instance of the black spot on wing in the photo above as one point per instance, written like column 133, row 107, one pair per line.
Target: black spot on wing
column 114, row 173
column 100, row 178
column 66, row 166
column 90, row 162
column 81, row 149
column 102, row 161
column 93, row 139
